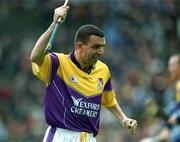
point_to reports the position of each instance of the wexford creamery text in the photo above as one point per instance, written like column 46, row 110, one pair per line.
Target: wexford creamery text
column 84, row 108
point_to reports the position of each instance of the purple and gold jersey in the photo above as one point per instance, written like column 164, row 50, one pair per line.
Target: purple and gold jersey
column 73, row 98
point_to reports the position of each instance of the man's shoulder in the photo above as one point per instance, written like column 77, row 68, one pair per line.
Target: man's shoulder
column 60, row 55
column 101, row 65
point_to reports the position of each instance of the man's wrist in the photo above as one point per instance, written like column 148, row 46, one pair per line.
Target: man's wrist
column 123, row 120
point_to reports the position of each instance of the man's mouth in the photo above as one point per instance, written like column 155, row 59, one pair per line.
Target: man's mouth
column 95, row 58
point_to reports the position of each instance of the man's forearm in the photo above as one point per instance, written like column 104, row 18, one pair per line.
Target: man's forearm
column 117, row 111
column 38, row 52
column 128, row 123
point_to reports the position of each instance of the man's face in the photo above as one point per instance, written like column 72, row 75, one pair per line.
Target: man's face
column 94, row 48
column 174, row 67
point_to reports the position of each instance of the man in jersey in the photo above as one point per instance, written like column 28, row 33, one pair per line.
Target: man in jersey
column 172, row 131
column 77, row 85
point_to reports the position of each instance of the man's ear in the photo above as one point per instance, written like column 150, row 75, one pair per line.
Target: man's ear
column 78, row 45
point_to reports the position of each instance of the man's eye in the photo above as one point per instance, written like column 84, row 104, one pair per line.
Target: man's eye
column 96, row 46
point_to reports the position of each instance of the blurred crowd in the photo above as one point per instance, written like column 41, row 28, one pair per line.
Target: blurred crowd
column 141, row 35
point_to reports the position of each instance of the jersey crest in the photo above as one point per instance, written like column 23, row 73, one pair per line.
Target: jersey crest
column 100, row 84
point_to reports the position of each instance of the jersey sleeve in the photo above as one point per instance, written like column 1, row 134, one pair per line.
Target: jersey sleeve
column 108, row 96
column 43, row 71
column 178, row 92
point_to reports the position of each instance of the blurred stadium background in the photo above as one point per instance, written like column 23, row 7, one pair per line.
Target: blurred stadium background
column 140, row 34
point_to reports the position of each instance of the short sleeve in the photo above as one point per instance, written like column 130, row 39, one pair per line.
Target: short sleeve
column 108, row 96
column 43, row 71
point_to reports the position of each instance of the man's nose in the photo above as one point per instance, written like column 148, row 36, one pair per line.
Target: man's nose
column 101, row 51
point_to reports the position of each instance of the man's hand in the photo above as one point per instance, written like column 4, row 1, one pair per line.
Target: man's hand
column 130, row 125
column 60, row 12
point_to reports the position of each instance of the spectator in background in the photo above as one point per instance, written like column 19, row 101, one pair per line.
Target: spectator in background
column 172, row 131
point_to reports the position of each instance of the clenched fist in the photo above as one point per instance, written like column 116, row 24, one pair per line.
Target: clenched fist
column 60, row 12
column 130, row 125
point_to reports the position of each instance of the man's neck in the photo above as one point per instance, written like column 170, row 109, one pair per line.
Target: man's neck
column 83, row 65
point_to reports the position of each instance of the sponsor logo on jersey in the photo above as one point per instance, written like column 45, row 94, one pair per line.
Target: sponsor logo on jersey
column 84, row 108
column 76, row 101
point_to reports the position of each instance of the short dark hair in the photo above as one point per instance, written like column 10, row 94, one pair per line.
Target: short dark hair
column 85, row 31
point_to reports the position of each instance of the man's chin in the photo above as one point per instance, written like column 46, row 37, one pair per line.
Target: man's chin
column 94, row 62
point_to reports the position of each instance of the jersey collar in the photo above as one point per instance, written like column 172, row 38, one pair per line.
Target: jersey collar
column 73, row 59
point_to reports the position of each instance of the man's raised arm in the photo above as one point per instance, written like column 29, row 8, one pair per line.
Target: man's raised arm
column 38, row 52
